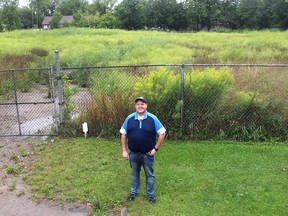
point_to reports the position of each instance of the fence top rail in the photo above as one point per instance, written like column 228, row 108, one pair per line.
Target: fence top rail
column 179, row 65
column 22, row 69
column 149, row 65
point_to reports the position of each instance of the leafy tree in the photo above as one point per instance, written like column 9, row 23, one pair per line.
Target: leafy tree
column 9, row 17
column 78, row 18
column 25, row 14
column 101, row 14
column 265, row 17
column 102, row 6
column 108, row 20
column 203, row 13
column 69, row 7
column 249, row 13
column 131, row 14
column 209, row 14
column 91, row 20
column 180, row 19
column 52, row 7
column 55, row 22
column 166, row 14
column 228, row 16
column 196, row 14
column 280, row 13
column 38, row 7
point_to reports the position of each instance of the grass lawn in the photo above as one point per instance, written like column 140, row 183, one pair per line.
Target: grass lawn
column 192, row 178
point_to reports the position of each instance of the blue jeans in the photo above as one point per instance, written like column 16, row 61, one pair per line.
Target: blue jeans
column 136, row 161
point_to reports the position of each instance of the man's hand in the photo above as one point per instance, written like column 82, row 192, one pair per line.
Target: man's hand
column 152, row 152
column 125, row 155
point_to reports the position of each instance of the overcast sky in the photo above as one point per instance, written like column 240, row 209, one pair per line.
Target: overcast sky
column 26, row 2
column 23, row 3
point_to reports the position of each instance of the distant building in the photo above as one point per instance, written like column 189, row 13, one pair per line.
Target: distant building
column 47, row 20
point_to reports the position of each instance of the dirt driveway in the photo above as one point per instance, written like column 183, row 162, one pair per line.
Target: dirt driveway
column 17, row 153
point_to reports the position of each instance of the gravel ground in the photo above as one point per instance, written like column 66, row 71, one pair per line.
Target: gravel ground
column 34, row 117
column 18, row 152
column 15, row 195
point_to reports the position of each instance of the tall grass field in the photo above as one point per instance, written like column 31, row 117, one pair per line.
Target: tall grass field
column 80, row 46
column 192, row 178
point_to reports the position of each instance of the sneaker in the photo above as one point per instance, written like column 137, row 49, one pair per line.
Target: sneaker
column 152, row 200
column 131, row 197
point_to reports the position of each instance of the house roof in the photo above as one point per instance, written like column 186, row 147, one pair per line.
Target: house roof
column 66, row 19
column 47, row 19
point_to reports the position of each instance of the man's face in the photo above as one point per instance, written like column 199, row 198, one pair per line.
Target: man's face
column 140, row 107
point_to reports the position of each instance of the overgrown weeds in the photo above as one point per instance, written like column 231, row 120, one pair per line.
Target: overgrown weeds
column 256, row 91
column 211, row 104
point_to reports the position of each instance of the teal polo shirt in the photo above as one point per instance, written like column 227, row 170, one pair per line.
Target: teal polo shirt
column 141, row 134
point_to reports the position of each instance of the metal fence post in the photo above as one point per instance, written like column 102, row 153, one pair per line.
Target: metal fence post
column 16, row 101
column 52, row 93
column 60, row 87
column 182, row 99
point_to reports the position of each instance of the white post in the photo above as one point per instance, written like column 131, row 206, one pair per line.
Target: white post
column 85, row 129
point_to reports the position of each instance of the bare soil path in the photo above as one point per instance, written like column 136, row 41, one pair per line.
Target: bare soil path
column 16, row 156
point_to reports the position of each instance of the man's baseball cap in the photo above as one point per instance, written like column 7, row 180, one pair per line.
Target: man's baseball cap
column 142, row 99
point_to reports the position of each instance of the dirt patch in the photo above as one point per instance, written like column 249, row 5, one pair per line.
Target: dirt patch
column 17, row 153
column 16, row 156
column 36, row 112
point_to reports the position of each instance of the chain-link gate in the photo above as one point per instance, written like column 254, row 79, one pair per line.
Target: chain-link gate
column 27, row 102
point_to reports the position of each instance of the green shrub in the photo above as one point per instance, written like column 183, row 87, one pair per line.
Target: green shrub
column 39, row 52
column 240, row 116
column 156, row 86
column 162, row 90
column 6, row 86
column 204, row 91
column 68, row 91
column 80, row 77
column 212, row 106
column 26, row 79
column 247, row 116
column 111, row 93
column 105, row 114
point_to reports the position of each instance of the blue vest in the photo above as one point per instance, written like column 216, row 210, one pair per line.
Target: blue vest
column 141, row 133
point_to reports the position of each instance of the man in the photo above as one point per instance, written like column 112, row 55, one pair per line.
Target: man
column 140, row 128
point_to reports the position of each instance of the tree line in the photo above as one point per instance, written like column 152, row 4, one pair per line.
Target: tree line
column 185, row 15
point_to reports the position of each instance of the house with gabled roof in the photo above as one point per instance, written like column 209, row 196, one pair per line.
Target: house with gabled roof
column 47, row 20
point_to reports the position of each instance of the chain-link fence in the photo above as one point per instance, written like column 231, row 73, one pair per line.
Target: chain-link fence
column 27, row 102
column 194, row 101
